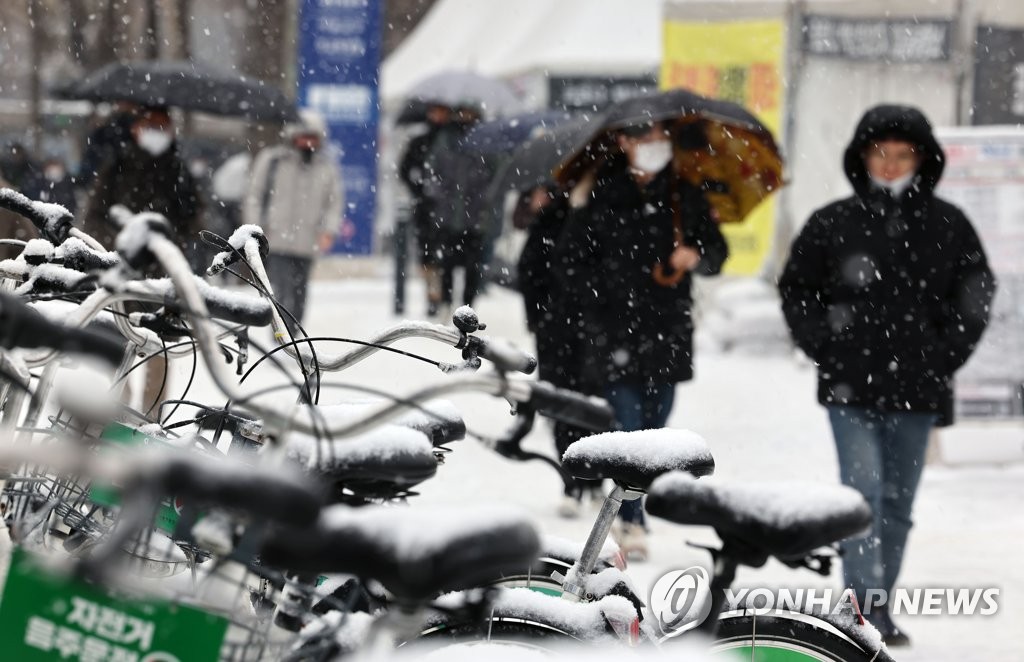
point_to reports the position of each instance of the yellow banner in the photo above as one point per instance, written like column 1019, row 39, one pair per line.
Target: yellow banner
column 739, row 61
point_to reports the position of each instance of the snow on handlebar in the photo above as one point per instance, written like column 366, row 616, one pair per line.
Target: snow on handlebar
column 238, row 240
column 20, row 326
column 52, row 220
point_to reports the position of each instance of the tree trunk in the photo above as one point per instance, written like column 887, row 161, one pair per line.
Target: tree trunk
column 35, row 22
column 264, row 55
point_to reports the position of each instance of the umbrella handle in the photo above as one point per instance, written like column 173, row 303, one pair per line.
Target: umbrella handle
column 664, row 278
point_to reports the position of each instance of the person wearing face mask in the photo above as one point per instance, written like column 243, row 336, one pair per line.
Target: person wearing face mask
column 889, row 292
column 295, row 194
column 55, row 185
column 146, row 175
column 636, row 234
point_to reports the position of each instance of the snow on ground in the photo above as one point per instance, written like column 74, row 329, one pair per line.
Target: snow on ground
column 760, row 418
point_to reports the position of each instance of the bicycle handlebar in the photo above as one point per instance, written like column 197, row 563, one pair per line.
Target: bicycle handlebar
column 586, row 411
column 78, row 255
column 502, row 354
column 168, row 255
column 238, row 240
column 20, row 326
column 275, row 493
column 53, row 221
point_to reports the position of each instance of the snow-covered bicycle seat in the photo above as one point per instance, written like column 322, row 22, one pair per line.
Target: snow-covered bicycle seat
column 785, row 520
column 378, row 464
column 634, row 459
column 440, row 420
column 416, row 553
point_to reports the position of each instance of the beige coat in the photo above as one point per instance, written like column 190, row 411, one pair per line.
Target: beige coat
column 294, row 202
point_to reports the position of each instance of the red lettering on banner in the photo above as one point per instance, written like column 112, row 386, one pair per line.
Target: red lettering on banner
column 764, row 86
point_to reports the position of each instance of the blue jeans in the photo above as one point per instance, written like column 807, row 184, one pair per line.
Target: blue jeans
column 881, row 455
column 639, row 407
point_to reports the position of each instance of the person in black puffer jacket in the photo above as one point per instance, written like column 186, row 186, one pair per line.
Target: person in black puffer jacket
column 558, row 349
column 625, row 277
column 888, row 291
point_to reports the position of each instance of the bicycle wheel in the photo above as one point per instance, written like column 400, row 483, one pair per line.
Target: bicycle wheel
column 509, row 631
column 783, row 638
column 537, row 583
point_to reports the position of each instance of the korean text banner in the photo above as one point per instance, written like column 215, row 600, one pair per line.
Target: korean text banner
column 742, row 62
column 339, row 74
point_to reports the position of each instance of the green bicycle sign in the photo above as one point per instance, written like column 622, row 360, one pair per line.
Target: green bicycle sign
column 45, row 617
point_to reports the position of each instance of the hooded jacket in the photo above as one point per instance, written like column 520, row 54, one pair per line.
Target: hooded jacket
column 889, row 296
column 293, row 199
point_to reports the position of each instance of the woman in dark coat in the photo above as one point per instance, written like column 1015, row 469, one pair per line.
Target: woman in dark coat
column 888, row 291
column 146, row 175
column 625, row 273
column 558, row 355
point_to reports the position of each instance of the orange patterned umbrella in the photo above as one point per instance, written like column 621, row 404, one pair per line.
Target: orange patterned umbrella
column 719, row 146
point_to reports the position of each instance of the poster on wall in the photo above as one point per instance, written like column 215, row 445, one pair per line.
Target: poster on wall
column 984, row 176
column 998, row 76
column 595, row 93
column 339, row 73
column 739, row 61
column 873, row 39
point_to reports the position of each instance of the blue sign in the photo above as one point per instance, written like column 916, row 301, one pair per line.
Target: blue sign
column 339, row 73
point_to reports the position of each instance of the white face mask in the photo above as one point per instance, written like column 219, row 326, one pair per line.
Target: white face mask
column 154, row 141
column 895, row 186
column 652, row 156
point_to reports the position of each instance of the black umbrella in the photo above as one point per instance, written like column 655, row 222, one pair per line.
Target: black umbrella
column 186, row 85
column 500, row 137
column 533, row 163
column 457, row 89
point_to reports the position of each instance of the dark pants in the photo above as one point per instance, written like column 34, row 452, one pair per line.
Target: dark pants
column 639, row 407
column 881, row 455
column 565, row 436
column 462, row 249
column 289, row 276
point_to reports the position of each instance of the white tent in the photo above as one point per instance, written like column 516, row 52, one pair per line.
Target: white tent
column 517, row 39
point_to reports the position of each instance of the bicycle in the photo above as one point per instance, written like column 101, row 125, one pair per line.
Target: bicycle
column 330, row 447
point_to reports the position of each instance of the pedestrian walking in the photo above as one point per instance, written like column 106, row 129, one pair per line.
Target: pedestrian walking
column 19, row 168
column 146, row 175
column 544, row 211
column 637, row 234
column 295, row 194
column 55, row 185
column 417, row 173
column 106, row 141
column 888, row 291
column 462, row 212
